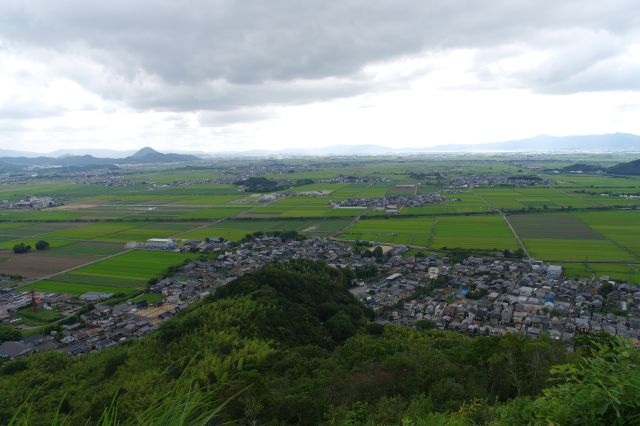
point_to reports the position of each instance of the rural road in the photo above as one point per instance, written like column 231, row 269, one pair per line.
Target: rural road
column 351, row 223
column 515, row 234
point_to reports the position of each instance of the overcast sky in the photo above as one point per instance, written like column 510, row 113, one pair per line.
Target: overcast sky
column 229, row 75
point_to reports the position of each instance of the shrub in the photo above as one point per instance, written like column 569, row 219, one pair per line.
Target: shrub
column 42, row 245
column 21, row 248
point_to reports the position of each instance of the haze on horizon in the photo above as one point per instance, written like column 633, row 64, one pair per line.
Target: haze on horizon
column 225, row 75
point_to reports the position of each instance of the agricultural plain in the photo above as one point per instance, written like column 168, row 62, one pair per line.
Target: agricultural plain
column 586, row 222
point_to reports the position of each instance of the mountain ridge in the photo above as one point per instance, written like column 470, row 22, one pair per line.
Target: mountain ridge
column 610, row 142
column 143, row 156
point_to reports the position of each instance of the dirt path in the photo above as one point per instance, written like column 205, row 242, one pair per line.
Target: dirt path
column 517, row 237
column 64, row 271
column 433, row 232
column 351, row 223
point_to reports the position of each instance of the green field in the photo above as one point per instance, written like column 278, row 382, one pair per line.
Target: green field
column 580, row 250
column 483, row 232
column 629, row 273
column 581, row 236
column 564, row 217
column 474, row 232
column 412, row 231
column 124, row 273
column 237, row 229
column 87, row 249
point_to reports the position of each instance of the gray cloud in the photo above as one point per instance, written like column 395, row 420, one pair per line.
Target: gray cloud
column 568, row 61
column 226, row 54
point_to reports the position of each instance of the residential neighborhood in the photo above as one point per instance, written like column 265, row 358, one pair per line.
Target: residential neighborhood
column 475, row 295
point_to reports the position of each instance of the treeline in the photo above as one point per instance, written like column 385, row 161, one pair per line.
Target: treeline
column 262, row 184
column 290, row 345
column 22, row 248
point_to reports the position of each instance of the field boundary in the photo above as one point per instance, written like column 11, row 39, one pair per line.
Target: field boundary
column 50, row 276
column 516, row 236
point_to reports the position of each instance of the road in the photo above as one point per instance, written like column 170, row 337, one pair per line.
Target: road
column 515, row 234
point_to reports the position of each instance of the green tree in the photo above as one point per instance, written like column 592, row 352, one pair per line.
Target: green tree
column 42, row 245
column 21, row 248
column 8, row 334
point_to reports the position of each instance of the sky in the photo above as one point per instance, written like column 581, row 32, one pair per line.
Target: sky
column 234, row 75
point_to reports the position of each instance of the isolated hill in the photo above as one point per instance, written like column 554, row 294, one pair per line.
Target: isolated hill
column 150, row 155
column 629, row 168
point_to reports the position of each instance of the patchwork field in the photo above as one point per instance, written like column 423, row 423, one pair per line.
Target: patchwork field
column 621, row 227
column 555, row 220
column 483, row 232
column 37, row 264
column 124, row 273
column 595, row 236
column 238, row 229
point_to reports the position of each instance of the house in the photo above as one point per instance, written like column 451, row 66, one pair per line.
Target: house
column 554, row 271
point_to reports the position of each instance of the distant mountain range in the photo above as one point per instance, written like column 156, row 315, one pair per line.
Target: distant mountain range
column 101, row 153
column 614, row 142
column 611, row 143
column 143, row 156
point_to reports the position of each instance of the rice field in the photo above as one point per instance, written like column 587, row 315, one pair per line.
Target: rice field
column 96, row 220
column 124, row 273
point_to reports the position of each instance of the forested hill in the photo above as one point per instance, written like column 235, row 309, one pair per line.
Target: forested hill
column 629, row 168
column 290, row 345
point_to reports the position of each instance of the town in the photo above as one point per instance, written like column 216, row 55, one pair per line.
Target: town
column 473, row 295
column 393, row 203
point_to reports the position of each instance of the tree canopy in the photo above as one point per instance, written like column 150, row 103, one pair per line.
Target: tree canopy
column 290, row 345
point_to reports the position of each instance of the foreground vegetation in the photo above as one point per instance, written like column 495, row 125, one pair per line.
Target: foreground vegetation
column 290, row 345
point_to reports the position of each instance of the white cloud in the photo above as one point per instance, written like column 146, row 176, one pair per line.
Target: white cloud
column 229, row 75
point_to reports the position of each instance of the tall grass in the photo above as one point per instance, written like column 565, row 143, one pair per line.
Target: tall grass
column 185, row 404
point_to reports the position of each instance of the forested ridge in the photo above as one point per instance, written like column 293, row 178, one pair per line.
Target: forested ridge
column 290, row 345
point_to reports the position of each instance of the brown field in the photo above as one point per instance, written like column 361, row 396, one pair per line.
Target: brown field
column 553, row 226
column 35, row 265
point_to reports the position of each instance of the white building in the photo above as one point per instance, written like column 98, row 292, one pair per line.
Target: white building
column 160, row 244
